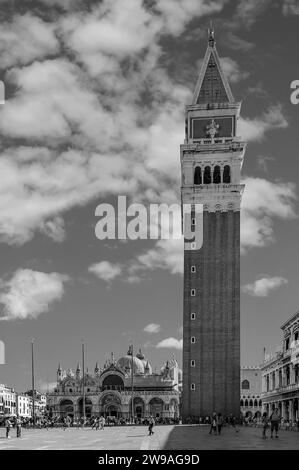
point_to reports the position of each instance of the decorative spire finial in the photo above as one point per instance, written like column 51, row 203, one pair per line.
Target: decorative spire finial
column 211, row 35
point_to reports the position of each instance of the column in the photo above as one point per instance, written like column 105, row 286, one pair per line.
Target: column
column 221, row 173
column 291, row 410
column 235, row 172
column 280, row 379
column 283, row 410
column 189, row 173
column 292, row 374
column 265, row 408
column 283, row 377
column 277, row 378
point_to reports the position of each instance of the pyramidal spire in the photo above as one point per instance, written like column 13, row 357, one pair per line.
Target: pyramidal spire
column 212, row 86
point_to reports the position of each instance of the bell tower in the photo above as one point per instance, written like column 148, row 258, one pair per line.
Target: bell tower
column 211, row 162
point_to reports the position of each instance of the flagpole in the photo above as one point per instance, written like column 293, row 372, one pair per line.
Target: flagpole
column 83, row 382
column 32, row 382
column 132, row 384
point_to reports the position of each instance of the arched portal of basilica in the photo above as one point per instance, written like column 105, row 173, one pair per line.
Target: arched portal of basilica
column 110, row 405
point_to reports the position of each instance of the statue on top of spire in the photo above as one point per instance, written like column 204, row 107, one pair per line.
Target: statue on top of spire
column 211, row 33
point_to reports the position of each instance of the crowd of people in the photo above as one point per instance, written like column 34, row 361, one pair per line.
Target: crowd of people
column 273, row 422
column 94, row 422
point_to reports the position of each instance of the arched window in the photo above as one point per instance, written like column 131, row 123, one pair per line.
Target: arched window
column 242, row 403
column 197, row 175
column 217, row 175
column 246, row 403
column 226, row 174
column 260, row 403
column 245, row 385
column 113, row 382
column 255, row 403
column 207, row 175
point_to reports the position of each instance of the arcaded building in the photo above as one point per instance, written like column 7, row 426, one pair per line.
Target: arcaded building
column 109, row 390
column 211, row 161
column 280, row 373
column 251, row 391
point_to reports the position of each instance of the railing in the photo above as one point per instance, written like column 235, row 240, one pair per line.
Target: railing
column 217, row 140
column 236, row 141
column 148, row 392
column 282, row 389
column 213, row 186
column 122, row 392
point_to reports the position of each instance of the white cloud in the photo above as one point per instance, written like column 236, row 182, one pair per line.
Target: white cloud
column 248, row 11
column 93, row 109
column 29, row 293
column 54, row 229
column 65, row 4
column 45, row 387
column 256, row 128
column 105, row 270
column 290, row 7
column 25, row 39
column 170, row 343
column 263, row 202
column 37, row 185
column 232, row 70
column 262, row 287
column 263, row 161
column 152, row 328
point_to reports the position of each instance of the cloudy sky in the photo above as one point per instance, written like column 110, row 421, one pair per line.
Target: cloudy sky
column 95, row 96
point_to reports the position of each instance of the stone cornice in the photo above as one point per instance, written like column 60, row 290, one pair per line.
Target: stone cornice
column 214, row 197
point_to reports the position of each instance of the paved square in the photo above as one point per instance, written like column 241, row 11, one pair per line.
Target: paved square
column 136, row 437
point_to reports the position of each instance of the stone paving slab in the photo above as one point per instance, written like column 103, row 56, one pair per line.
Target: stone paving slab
column 136, row 437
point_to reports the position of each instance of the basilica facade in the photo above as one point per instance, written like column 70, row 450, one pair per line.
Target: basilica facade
column 109, row 390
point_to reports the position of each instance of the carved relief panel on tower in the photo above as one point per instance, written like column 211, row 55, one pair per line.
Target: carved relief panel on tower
column 202, row 128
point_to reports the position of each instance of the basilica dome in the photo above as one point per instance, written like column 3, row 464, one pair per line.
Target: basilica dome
column 146, row 364
column 125, row 363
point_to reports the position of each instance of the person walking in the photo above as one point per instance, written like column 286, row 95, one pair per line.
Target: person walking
column 8, row 427
column 219, row 423
column 232, row 422
column 265, row 422
column 64, row 423
column 275, row 420
column 102, row 423
column 19, row 427
column 150, row 426
column 213, row 427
